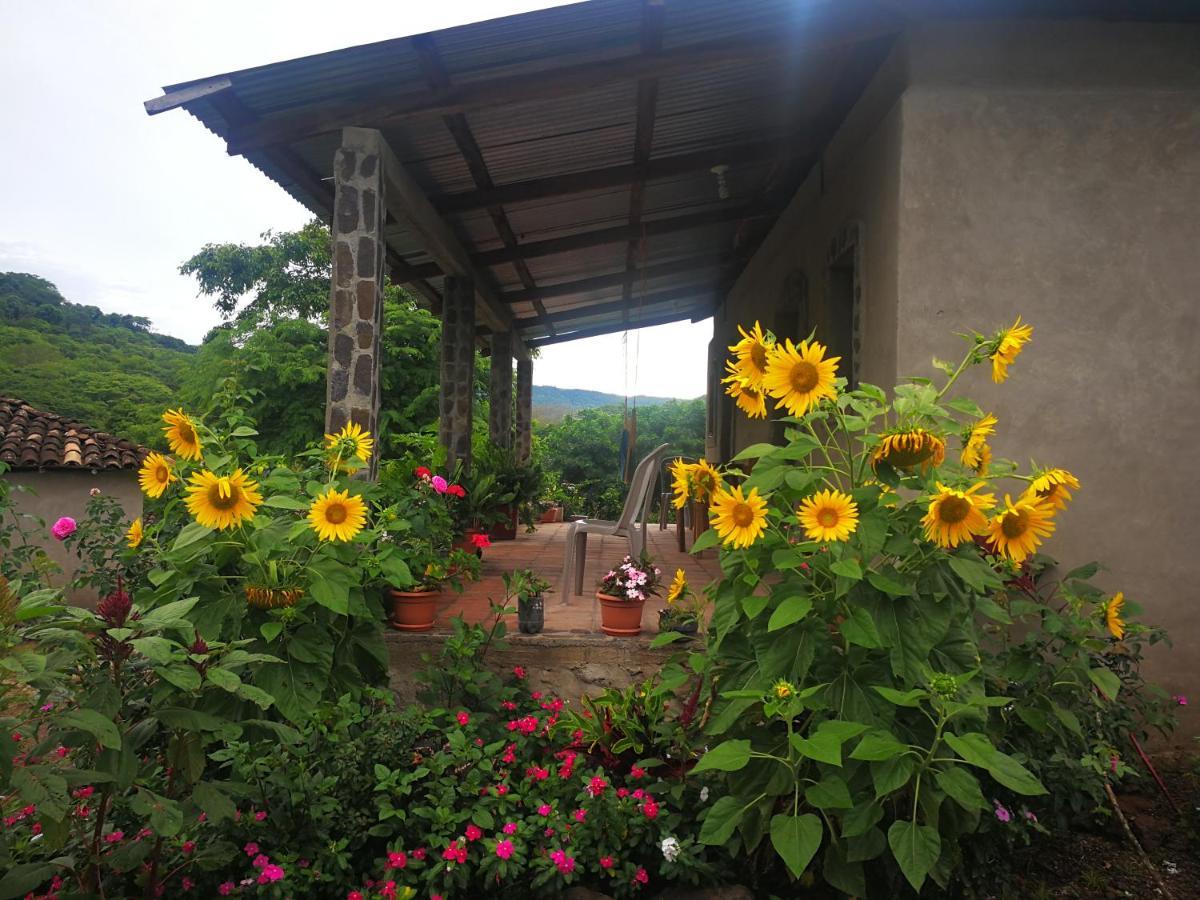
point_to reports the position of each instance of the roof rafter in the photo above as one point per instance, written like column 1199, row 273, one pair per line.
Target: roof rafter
column 693, row 313
column 706, row 290
column 616, row 279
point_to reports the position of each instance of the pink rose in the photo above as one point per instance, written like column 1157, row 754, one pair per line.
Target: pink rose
column 63, row 528
column 439, row 484
column 504, row 849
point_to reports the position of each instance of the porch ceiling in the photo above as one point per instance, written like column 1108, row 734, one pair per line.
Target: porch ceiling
column 572, row 150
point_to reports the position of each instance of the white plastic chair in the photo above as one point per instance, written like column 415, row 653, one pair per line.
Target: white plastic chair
column 631, row 525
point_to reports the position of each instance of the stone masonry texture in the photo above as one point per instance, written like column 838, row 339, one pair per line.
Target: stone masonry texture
column 500, row 390
column 524, row 439
column 456, row 399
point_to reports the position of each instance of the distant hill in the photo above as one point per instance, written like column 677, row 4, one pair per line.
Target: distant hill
column 106, row 370
column 550, row 404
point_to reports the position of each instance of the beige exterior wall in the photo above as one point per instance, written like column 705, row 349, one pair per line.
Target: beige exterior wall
column 55, row 493
column 1050, row 170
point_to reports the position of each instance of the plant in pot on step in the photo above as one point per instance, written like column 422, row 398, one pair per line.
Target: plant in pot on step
column 414, row 607
column 516, row 484
column 685, row 608
column 528, row 589
column 480, row 506
column 623, row 592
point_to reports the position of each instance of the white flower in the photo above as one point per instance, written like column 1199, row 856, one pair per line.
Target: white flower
column 704, row 795
column 670, row 849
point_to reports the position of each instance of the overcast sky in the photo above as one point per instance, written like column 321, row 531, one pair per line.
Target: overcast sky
column 106, row 201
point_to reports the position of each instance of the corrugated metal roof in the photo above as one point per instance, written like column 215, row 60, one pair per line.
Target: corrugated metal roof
column 726, row 103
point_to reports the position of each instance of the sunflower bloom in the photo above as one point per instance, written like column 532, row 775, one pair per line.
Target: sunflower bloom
column 1019, row 528
column 739, row 521
column 828, row 516
column 181, row 434
column 133, row 536
column 955, row 516
column 753, row 353
column 337, row 516
column 222, row 501
column 976, row 453
column 352, row 442
column 704, row 479
column 799, row 376
column 909, row 449
column 680, row 483
column 1112, row 615
column 155, row 474
column 1008, row 348
column 678, row 586
column 749, row 399
column 1054, row 486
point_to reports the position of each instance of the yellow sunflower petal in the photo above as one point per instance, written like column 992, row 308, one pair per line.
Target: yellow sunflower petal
column 337, row 515
column 909, row 449
column 1008, row 348
column 133, row 536
column 1112, row 615
column 955, row 516
column 739, row 520
column 222, row 501
column 799, row 376
column 155, row 475
column 1018, row 529
column 181, row 434
column 828, row 516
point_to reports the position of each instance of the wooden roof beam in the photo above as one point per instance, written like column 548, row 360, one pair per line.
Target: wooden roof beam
column 598, row 330
column 705, row 291
column 616, row 279
column 488, row 91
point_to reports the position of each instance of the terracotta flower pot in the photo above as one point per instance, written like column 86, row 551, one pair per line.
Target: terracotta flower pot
column 620, row 618
column 413, row 610
column 506, row 529
column 467, row 544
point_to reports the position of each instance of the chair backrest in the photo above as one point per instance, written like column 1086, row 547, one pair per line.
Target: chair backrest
column 639, row 488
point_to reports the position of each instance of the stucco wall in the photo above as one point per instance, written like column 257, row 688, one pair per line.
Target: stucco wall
column 1053, row 170
column 854, row 189
column 64, row 492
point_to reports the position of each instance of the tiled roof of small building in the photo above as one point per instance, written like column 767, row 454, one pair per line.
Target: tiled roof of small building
column 33, row 439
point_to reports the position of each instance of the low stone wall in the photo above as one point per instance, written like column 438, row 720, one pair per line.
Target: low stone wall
column 571, row 666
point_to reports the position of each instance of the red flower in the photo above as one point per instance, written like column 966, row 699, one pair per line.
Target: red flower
column 642, row 876
column 463, row 718
column 397, row 860
column 480, row 541
column 354, row 895
column 518, row 671
column 650, row 809
column 473, row 832
column 597, row 786
column 456, row 490
column 607, row 862
column 422, row 472
column 637, row 772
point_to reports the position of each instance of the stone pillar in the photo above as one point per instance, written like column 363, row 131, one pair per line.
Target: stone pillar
column 356, row 295
column 500, row 390
column 524, row 444
column 457, row 394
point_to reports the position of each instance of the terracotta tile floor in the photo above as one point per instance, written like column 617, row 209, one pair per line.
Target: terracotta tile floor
column 543, row 552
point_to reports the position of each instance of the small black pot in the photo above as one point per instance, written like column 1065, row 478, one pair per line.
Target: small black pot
column 531, row 614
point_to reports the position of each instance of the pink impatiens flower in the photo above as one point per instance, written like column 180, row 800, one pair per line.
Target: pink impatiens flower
column 518, row 671
column 251, row 849
column 642, row 876
column 473, row 832
column 63, row 528
column 580, row 815
column 544, row 809
column 270, row 873
column 439, row 484
column 509, row 828
column 261, row 861
column 597, row 786
column 504, row 849
column 226, row 888
column 650, row 809
column 397, row 860
column 354, row 895
column 607, row 862
column 463, row 718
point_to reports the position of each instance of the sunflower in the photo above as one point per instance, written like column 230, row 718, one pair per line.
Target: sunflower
column 680, row 484
column 975, row 452
column 753, row 353
column 704, row 479
column 740, row 521
column 954, row 515
column 155, row 474
column 352, row 442
column 783, row 690
column 678, row 587
column 181, row 434
column 337, row 516
column 908, row 449
column 749, row 399
column 1112, row 615
column 222, row 501
column 799, row 376
column 828, row 516
column 1019, row 528
column 133, row 536
column 1054, row 486
column 1008, row 346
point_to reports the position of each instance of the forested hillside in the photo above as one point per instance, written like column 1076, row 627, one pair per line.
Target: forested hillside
column 109, row 371
column 552, row 403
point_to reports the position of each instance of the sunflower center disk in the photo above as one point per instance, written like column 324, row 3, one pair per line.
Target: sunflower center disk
column 804, row 376
column 224, row 499
column 742, row 515
column 1015, row 524
column 758, row 355
column 828, row 518
column 162, row 475
column 953, row 510
column 186, row 433
column 335, row 514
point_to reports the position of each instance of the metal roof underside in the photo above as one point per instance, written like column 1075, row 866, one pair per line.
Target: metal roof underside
column 591, row 204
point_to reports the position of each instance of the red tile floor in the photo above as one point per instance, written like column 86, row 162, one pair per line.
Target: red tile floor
column 543, row 551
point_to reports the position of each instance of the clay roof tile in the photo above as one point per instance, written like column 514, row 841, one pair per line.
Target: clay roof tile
column 33, row 439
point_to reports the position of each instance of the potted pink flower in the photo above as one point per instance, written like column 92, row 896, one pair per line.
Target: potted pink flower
column 622, row 595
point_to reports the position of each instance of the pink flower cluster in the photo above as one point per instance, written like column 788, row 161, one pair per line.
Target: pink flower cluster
column 632, row 580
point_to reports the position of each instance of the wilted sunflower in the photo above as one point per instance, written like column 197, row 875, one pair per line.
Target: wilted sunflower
column 749, row 399
column 908, row 449
column 739, row 521
column 133, row 536
column 352, row 442
column 155, row 474
column 799, row 376
column 181, row 434
column 1008, row 346
column 1019, row 528
column 976, row 454
column 752, row 352
column 954, row 516
column 1054, row 486
column 337, row 516
column 1112, row 615
column 222, row 501
column 680, row 483
column 828, row 516
column 678, row 587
